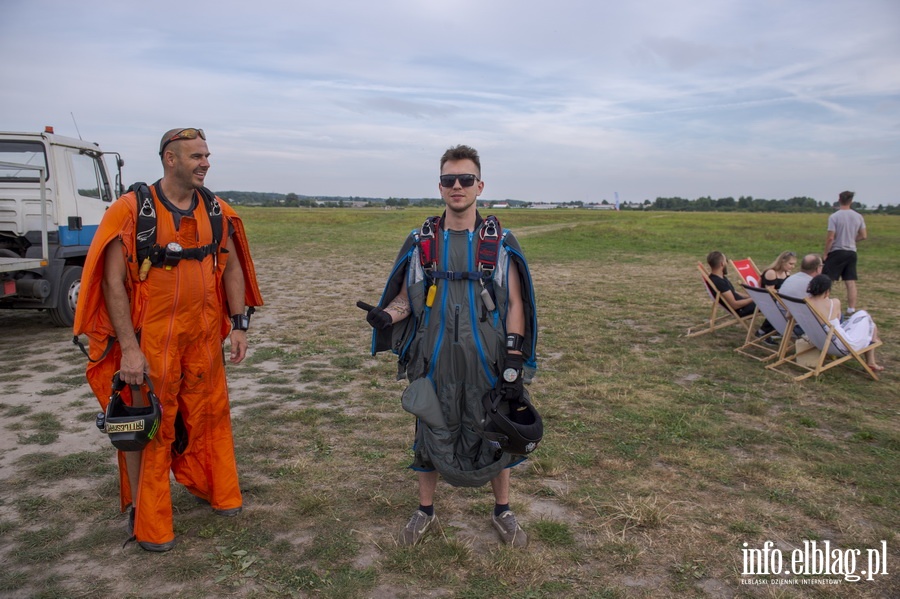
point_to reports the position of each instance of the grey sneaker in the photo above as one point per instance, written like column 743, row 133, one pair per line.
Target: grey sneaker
column 418, row 525
column 509, row 530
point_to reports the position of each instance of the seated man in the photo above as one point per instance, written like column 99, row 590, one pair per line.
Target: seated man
column 718, row 270
column 796, row 284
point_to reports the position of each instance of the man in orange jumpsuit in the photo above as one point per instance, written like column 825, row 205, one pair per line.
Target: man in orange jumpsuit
column 168, row 317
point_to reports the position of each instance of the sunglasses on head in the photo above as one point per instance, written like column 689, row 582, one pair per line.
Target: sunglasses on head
column 190, row 133
column 449, row 181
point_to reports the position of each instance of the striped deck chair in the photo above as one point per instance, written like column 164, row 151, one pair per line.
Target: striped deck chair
column 772, row 308
column 722, row 315
column 826, row 339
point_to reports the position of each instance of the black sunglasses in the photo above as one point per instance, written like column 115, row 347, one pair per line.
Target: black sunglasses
column 190, row 133
column 449, row 181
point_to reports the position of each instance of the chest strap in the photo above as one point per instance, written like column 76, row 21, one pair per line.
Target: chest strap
column 145, row 236
column 472, row 275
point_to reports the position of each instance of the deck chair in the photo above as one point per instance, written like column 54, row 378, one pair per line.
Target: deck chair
column 722, row 314
column 771, row 307
column 748, row 272
column 824, row 339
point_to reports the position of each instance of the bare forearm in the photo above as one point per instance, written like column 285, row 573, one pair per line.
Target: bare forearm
column 233, row 279
column 515, row 316
column 119, row 313
column 829, row 241
column 118, row 305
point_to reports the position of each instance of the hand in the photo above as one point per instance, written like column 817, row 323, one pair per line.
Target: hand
column 132, row 366
column 378, row 318
column 513, row 390
column 238, row 346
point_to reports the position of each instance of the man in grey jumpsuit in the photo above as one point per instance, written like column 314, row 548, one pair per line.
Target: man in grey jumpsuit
column 461, row 349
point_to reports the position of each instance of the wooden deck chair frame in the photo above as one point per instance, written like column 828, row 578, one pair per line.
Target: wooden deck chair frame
column 772, row 308
column 743, row 268
column 717, row 320
column 823, row 337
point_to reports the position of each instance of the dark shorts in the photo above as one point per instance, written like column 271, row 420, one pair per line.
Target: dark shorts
column 841, row 264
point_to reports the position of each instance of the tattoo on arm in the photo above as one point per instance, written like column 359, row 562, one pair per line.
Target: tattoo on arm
column 400, row 306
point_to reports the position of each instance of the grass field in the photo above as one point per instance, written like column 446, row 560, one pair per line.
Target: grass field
column 663, row 456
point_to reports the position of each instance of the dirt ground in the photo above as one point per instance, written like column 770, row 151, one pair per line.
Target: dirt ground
column 42, row 374
column 310, row 326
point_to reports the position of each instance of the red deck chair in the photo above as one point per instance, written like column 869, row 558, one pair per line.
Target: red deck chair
column 748, row 272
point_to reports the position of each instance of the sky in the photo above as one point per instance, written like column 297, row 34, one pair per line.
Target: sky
column 574, row 100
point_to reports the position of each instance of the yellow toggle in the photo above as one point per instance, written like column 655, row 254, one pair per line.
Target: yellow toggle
column 145, row 268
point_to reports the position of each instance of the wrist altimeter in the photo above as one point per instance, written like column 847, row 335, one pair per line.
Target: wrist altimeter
column 240, row 322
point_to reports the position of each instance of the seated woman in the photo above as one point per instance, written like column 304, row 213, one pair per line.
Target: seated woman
column 858, row 330
column 777, row 272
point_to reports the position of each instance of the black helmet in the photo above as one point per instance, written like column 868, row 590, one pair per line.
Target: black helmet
column 517, row 434
column 130, row 428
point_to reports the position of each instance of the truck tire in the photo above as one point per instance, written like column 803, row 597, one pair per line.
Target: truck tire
column 63, row 315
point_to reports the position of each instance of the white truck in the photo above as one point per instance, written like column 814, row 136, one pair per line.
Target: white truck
column 53, row 193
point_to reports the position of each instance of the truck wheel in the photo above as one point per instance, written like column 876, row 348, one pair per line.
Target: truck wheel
column 63, row 315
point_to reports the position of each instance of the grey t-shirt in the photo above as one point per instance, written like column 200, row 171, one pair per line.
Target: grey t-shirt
column 846, row 225
column 795, row 285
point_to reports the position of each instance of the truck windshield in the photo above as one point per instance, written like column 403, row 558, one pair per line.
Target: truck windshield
column 21, row 152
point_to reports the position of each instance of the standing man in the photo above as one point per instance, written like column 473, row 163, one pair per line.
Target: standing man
column 845, row 227
column 459, row 311
column 163, row 308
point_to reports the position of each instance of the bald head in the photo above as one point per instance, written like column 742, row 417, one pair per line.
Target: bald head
column 175, row 135
column 811, row 264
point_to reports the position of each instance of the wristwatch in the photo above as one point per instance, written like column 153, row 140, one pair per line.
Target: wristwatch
column 240, row 322
column 515, row 342
column 510, row 375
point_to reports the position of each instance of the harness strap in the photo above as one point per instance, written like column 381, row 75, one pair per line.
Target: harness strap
column 459, row 276
column 109, row 345
column 145, row 236
column 428, row 241
column 157, row 254
column 488, row 245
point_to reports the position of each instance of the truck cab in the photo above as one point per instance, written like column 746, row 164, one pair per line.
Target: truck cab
column 53, row 193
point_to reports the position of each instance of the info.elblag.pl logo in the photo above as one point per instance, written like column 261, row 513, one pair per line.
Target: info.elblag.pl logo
column 814, row 559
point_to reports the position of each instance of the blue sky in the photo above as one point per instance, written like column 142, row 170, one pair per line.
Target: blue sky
column 570, row 100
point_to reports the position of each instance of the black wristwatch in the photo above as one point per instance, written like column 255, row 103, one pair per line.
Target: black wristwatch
column 515, row 342
column 240, row 322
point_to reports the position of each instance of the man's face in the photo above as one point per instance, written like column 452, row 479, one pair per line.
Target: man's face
column 459, row 199
column 190, row 161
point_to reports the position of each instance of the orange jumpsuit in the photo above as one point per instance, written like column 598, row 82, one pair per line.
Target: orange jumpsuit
column 181, row 316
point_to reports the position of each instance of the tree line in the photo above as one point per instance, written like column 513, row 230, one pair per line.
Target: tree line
column 676, row 204
column 751, row 204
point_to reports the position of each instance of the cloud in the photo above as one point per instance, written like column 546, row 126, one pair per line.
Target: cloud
column 575, row 101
